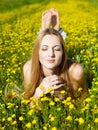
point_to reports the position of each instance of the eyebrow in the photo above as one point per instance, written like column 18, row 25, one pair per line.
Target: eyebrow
column 53, row 46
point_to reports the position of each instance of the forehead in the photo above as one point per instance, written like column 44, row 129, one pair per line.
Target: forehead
column 50, row 40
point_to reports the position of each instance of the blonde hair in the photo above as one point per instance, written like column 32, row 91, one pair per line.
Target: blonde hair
column 36, row 70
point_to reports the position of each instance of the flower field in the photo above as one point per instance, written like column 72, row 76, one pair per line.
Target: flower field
column 20, row 20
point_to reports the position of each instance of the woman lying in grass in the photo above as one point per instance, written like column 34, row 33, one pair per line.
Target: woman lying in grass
column 49, row 67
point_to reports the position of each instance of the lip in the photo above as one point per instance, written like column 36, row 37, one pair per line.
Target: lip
column 51, row 61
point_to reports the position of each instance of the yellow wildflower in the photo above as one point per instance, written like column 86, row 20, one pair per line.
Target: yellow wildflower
column 21, row 118
column 44, row 128
column 30, row 112
column 80, row 89
column 81, row 120
column 14, row 122
column 44, row 98
column 10, row 105
column 52, row 118
column 9, row 119
column 54, row 128
column 58, row 109
column 2, row 128
column 71, row 106
column 34, row 122
column 49, row 90
column 56, row 99
column 96, row 120
column 41, row 87
column 3, row 119
column 52, row 103
column 68, row 99
column 87, row 99
column 13, row 115
column 69, row 118
column 28, row 125
column 0, row 92
column 63, row 92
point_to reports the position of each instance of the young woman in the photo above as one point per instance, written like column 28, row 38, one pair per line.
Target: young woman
column 49, row 18
column 49, row 67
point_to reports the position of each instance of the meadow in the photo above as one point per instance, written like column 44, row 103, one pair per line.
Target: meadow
column 20, row 21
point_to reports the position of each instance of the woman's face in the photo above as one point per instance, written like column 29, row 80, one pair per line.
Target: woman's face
column 50, row 52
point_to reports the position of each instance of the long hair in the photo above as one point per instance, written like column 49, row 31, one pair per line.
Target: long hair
column 36, row 70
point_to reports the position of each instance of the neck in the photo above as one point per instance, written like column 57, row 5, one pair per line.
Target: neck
column 48, row 72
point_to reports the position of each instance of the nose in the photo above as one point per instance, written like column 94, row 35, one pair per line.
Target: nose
column 51, row 53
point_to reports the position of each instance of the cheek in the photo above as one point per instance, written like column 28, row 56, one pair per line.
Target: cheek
column 41, row 56
column 59, row 57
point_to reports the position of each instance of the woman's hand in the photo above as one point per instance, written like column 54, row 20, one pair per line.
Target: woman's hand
column 52, row 83
column 50, row 17
column 46, row 19
column 55, row 19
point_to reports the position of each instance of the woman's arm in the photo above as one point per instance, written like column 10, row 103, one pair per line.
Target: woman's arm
column 51, row 17
column 27, row 72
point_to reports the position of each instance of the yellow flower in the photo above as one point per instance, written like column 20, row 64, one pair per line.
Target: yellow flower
column 3, row 112
column 9, row 119
column 96, row 120
column 0, row 92
column 14, row 122
column 54, row 128
column 69, row 118
column 30, row 112
column 56, row 99
column 87, row 99
column 89, row 125
column 13, row 115
column 52, row 118
column 49, row 90
column 25, row 101
column 58, row 109
column 44, row 128
column 3, row 119
column 52, row 103
column 28, row 125
column 41, row 87
column 44, row 98
column 71, row 106
column 21, row 118
column 10, row 105
column 68, row 99
column 2, row 128
column 63, row 92
column 80, row 89
column 81, row 120
column 34, row 122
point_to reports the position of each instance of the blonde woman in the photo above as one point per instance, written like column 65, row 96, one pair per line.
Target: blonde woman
column 51, row 68
column 49, row 65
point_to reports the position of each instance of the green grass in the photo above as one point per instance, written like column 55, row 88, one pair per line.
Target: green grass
column 20, row 20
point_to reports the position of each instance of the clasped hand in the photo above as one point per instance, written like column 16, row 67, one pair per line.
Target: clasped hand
column 52, row 82
column 50, row 17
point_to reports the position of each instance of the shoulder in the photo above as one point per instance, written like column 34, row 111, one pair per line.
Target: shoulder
column 70, row 62
column 75, row 69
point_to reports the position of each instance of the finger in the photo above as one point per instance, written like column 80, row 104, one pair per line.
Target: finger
column 55, row 78
column 57, row 86
column 54, row 12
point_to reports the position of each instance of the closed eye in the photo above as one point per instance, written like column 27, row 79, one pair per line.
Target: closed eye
column 57, row 49
column 44, row 49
